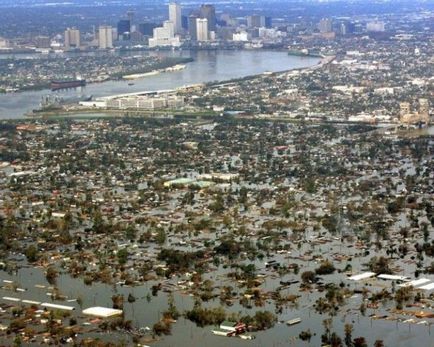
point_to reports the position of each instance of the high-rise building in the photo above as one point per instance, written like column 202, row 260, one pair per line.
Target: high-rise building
column 105, row 37
column 325, row 25
column 184, row 22
column 268, row 22
column 175, row 16
column 147, row 29
column 256, row 21
column 202, row 29
column 164, row 36
column 208, row 12
column 124, row 26
column 192, row 27
column 347, row 28
column 72, row 38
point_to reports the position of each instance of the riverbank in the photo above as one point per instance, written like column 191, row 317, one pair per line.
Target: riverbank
column 207, row 66
column 163, row 66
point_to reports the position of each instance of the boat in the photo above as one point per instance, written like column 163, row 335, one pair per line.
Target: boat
column 65, row 84
column 293, row 321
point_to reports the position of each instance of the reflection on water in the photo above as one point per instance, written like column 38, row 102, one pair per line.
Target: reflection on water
column 207, row 66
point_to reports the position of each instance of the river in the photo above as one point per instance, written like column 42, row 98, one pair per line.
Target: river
column 207, row 66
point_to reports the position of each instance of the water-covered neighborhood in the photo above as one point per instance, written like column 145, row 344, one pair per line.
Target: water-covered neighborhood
column 248, row 220
column 291, row 206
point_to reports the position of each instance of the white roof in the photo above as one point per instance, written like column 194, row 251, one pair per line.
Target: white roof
column 362, row 276
column 429, row 286
column 8, row 298
column 393, row 277
column 103, row 312
column 59, row 307
column 416, row 283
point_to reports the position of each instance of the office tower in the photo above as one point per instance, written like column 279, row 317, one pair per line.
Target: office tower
column 184, row 22
column 147, row 29
column 72, row 38
column 105, row 35
column 325, row 25
column 192, row 27
column 164, row 36
column 346, row 28
column 124, row 26
column 175, row 17
column 130, row 15
column 256, row 21
column 268, row 22
column 208, row 12
column 202, row 29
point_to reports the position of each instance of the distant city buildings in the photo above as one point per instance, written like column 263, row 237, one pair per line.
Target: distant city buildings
column 164, row 36
column 257, row 21
column 375, row 26
column 4, row 43
column 202, row 29
column 124, row 28
column 175, row 17
column 192, row 27
column 208, row 12
column 408, row 116
column 72, row 38
column 105, row 37
column 325, row 25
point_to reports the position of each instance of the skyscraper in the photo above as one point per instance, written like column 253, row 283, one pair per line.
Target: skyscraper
column 192, row 27
column 208, row 12
column 124, row 26
column 202, row 29
column 147, row 29
column 105, row 36
column 72, row 38
column 175, row 16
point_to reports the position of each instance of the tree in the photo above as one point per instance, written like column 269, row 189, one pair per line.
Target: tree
column 308, row 277
column 122, row 256
column 51, row 274
column 326, row 268
column 348, row 332
column 32, row 253
column 160, row 238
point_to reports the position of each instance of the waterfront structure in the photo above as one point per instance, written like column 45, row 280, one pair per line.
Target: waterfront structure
column 242, row 36
column 208, row 12
column 164, row 36
column 139, row 101
column 202, row 29
column 175, row 16
column 72, row 38
column 105, row 37
column 4, row 43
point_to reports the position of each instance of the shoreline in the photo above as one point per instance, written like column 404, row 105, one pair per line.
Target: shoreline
column 122, row 113
column 114, row 78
